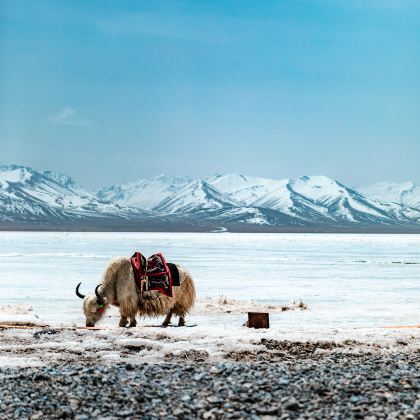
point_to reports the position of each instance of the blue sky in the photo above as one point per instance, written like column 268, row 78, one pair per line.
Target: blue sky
column 110, row 91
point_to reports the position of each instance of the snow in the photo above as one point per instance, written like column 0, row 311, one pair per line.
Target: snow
column 14, row 174
column 233, row 183
column 242, row 189
column 19, row 309
column 18, row 314
column 317, row 188
column 196, row 196
column 227, row 305
column 276, row 196
column 147, row 194
column 406, row 193
column 19, row 361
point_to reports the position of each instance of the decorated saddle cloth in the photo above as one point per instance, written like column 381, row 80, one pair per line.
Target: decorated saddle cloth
column 154, row 273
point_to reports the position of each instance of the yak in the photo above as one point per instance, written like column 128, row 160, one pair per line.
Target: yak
column 118, row 288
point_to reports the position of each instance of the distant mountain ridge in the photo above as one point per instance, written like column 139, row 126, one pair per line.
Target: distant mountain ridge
column 304, row 200
column 233, row 201
column 29, row 196
column 405, row 193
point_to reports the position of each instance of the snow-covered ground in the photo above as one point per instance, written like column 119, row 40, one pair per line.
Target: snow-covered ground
column 352, row 284
column 213, row 341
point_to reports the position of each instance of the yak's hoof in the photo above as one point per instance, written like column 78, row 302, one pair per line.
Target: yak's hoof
column 123, row 323
column 132, row 325
column 181, row 323
column 165, row 324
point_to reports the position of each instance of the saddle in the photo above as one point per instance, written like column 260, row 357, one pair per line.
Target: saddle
column 154, row 273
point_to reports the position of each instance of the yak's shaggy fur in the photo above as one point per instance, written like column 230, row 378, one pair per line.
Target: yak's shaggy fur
column 118, row 288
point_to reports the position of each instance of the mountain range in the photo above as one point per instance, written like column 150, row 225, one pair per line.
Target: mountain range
column 31, row 199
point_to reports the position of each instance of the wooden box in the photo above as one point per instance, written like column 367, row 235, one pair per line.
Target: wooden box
column 258, row 320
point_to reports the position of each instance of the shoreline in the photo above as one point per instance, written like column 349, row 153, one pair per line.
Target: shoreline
column 39, row 346
column 144, row 228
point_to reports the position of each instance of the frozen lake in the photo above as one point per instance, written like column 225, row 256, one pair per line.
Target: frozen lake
column 347, row 280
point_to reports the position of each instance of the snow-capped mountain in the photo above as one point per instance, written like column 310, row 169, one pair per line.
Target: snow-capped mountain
column 146, row 194
column 243, row 189
column 27, row 195
column 320, row 199
column 315, row 200
column 195, row 197
column 406, row 193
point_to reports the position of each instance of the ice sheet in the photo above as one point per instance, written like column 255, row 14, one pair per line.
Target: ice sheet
column 346, row 280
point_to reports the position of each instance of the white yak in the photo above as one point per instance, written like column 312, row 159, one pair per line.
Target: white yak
column 118, row 288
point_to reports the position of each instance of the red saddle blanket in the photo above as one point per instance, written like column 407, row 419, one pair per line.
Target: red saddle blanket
column 154, row 273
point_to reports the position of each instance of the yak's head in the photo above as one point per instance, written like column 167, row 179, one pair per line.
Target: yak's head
column 94, row 306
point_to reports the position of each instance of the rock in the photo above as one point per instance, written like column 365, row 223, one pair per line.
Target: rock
column 65, row 412
column 125, row 413
column 291, row 405
column 74, row 404
column 215, row 370
column 214, row 400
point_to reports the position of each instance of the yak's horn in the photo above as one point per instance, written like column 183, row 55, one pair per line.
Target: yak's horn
column 78, row 293
column 100, row 298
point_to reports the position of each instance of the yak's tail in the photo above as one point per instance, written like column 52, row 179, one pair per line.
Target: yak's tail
column 190, row 291
column 185, row 297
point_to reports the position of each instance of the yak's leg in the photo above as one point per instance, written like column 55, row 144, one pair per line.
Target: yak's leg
column 128, row 311
column 133, row 321
column 167, row 320
column 123, row 321
column 181, row 322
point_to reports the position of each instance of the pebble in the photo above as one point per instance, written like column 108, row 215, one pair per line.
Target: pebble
column 292, row 405
column 215, row 370
column 338, row 386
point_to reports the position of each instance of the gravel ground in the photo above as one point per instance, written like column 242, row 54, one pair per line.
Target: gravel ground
column 336, row 385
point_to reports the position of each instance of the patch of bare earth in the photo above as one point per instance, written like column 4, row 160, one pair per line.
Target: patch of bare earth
column 274, row 350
